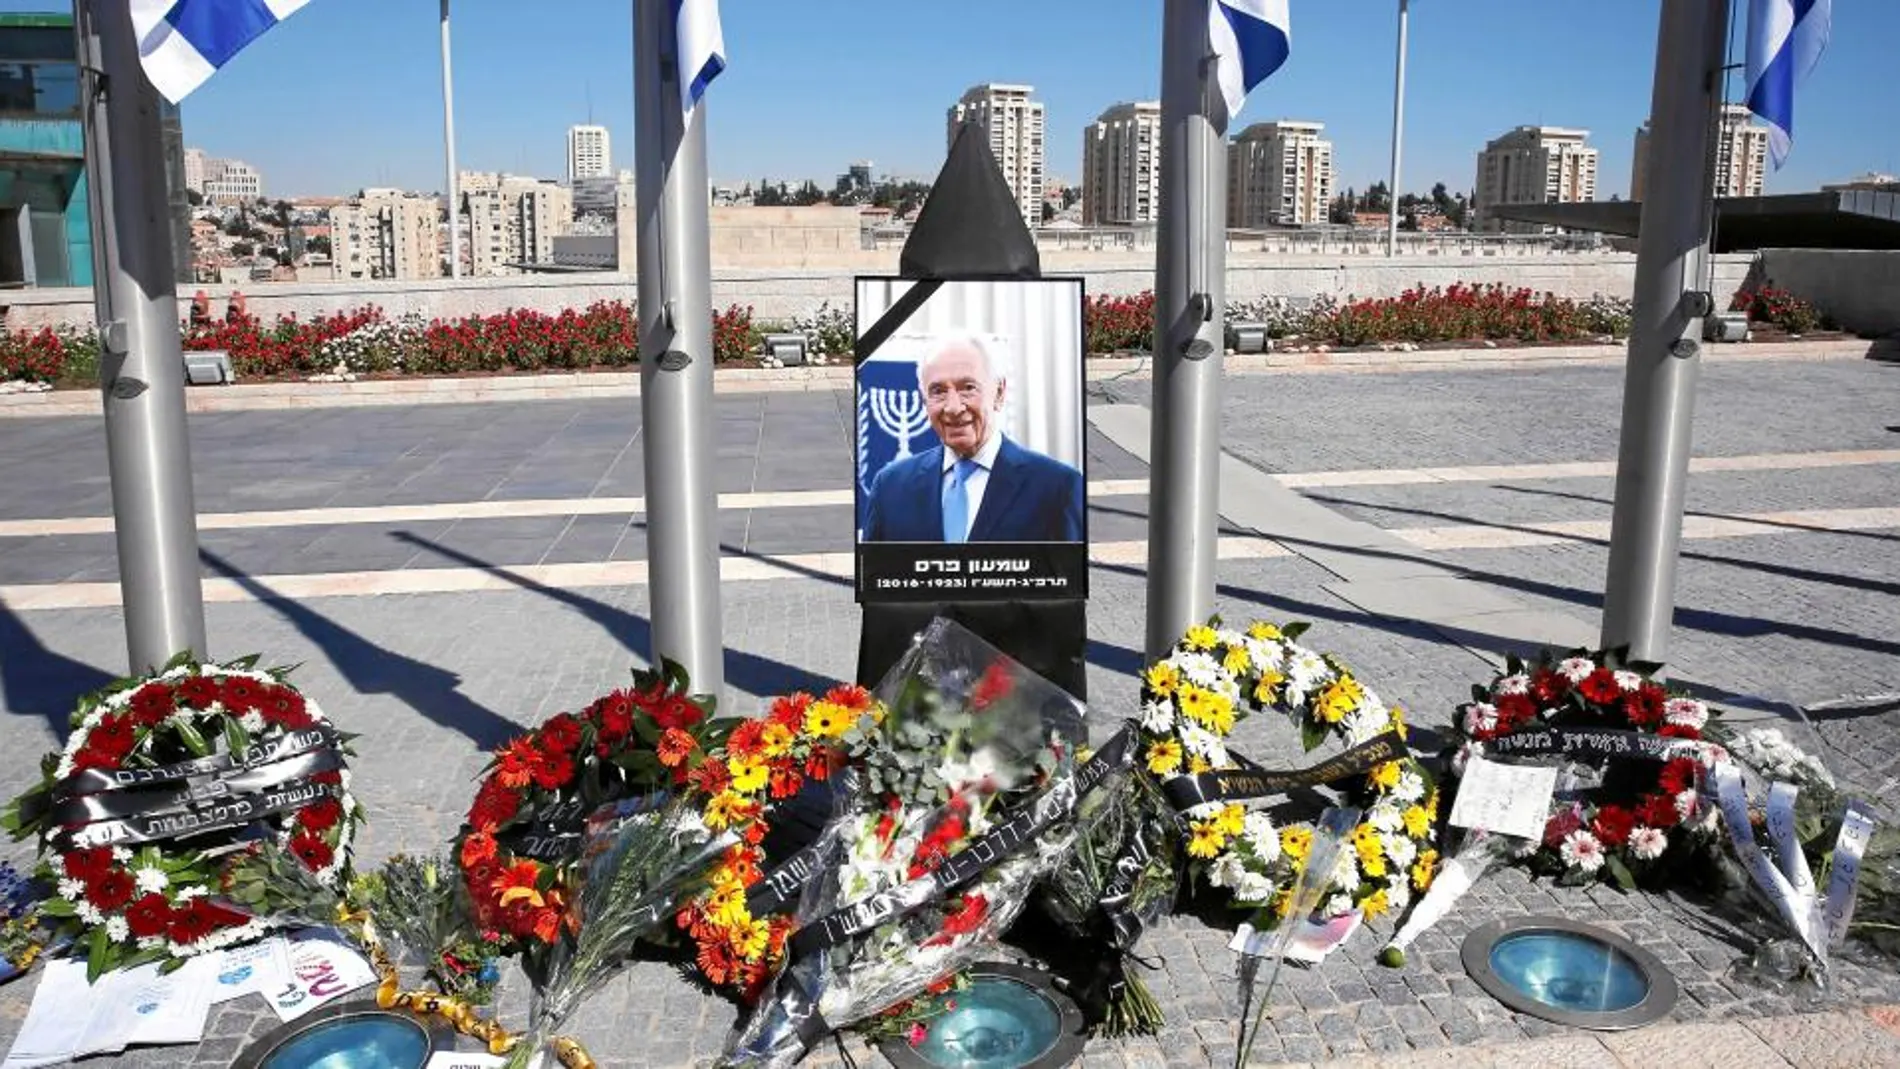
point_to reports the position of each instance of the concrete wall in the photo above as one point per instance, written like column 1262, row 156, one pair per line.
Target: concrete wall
column 1858, row 289
column 780, row 293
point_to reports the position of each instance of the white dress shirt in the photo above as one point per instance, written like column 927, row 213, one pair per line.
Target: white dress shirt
column 979, row 479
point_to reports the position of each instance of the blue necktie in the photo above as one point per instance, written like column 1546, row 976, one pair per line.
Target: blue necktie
column 956, row 502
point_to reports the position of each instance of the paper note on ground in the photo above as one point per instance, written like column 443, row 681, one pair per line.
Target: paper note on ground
column 1504, row 799
column 1311, row 940
column 263, row 967
column 55, row 1026
column 465, row 1059
column 321, row 968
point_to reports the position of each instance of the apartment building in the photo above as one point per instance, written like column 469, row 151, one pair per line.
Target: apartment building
column 588, row 154
column 228, row 181
column 1014, row 123
column 513, row 221
column 1533, row 165
column 1279, row 174
column 1121, row 166
column 1741, row 156
column 386, row 234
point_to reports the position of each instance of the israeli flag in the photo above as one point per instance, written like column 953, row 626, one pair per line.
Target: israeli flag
column 1785, row 40
column 183, row 42
column 1249, row 39
column 702, row 47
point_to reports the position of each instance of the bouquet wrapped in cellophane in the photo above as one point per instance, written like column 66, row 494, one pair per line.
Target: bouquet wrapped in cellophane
column 959, row 796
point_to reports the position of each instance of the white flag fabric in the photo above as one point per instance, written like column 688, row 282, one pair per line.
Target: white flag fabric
column 702, row 47
column 1785, row 39
column 1249, row 39
column 184, row 42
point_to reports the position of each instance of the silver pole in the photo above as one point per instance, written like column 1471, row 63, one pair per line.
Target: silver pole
column 676, row 356
column 141, row 368
column 448, row 139
column 1398, row 135
column 1665, row 333
column 1190, row 291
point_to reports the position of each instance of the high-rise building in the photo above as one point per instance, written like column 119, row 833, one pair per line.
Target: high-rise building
column 513, row 221
column 195, row 170
column 603, row 196
column 231, row 181
column 1015, row 125
column 1741, row 155
column 1279, row 174
column 587, row 153
column 1534, row 165
column 1121, row 166
column 386, row 234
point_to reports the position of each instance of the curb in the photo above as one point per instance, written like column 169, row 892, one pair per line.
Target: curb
column 562, row 386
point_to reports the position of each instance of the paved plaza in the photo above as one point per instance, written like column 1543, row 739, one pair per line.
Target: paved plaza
column 449, row 574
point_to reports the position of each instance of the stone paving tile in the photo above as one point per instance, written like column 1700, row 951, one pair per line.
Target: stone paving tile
column 1828, row 1040
column 1698, row 1046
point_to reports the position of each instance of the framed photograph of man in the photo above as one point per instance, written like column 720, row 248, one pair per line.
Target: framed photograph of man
column 971, row 468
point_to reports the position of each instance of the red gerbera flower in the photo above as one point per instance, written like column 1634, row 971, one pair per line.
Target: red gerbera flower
column 674, row 747
column 312, row 851
column 477, row 849
column 321, row 814
column 87, row 864
column 818, row 764
column 112, row 736
column 1514, row 711
column 677, row 712
column 711, row 776
column 495, row 805
column 198, row 692
column 746, row 739
column 1678, row 775
column 786, row 779
column 1613, row 825
column 994, row 686
column 849, row 695
column 1679, row 731
column 152, row 703
column 551, row 771
column 515, row 761
column 110, row 889
column 1548, row 686
column 561, row 734
column 1644, row 705
column 789, row 711
column 1600, row 687
column 148, row 916
column 716, row 961
column 1659, row 811
column 198, row 918
column 615, row 713
column 285, row 707
column 240, row 695
column 1561, row 825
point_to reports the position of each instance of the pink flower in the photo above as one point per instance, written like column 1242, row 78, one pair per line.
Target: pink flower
column 1648, row 843
column 917, row 1034
column 1687, row 712
column 1581, row 850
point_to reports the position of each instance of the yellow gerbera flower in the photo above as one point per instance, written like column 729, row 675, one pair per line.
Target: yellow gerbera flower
column 775, row 740
column 748, row 774
column 1264, row 632
column 1365, row 836
column 1338, row 699
column 1283, row 903
column 1220, row 713
column 1235, row 660
column 750, row 939
column 1162, row 678
column 1164, row 757
column 1232, row 819
column 829, row 719
column 1205, row 840
column 1424, row 869
column 1417, row 821
column 1200, row 637
column 726, row 906
column 725, row 807
column 1386, row 775
column 1431, row 804
column 1194, row 703
column 1373, row 867
column 1198, row 764
column 1375, row 904
column 1295, row 842
column 1267, row 691
column 1398, row 721
column 1369, row 851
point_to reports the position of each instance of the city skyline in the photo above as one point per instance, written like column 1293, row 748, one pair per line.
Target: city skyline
column 1562, row 67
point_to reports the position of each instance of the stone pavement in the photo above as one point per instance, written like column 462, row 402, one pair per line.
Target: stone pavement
column 1802, row 615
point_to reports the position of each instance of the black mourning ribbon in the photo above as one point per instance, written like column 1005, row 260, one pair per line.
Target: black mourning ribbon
column 1252, row 781
column 1599, row 744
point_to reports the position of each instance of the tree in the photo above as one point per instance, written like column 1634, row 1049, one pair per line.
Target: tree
column 807, row 194
column 1048, row 211
column 1442, row 198
column 319, row 243
column 1341, row 210
column 769, row 196
column 1378, row 198
column 238, row 227
column 242, row 249
column 194, row 198
column 1070, row 195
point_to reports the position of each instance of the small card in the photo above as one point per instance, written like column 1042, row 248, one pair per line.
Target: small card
column 321, row 968
column 464, row 1059
column 1504, row 799
column 1310, row 942
column 263, row 967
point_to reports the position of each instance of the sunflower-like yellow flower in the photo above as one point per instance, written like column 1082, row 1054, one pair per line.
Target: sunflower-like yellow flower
column 1204, row 839
column 1283, row 903
column 1198, row 764
column 1236, row 659
column 1341, row 697
column 1295, row 841
column 1265, row 632
column 1431, row 804
column 1386, row 775
column 829, row 719
column 1267, row 690
column 1424, row 869
column 1365, row 837
column 1164, row 757
column 1220, row 713
column 1371, row 862
column 750, row 939
column 1200, row 637
column 1162, row 678
column 1195, row 703
column 775, row 740
column 726, row 806
column 1398, row 722
column 1417, row 821
column 748, row 774
column 1231, row 820
column 1368, row 849
column 1375, row 905
column 725, row 904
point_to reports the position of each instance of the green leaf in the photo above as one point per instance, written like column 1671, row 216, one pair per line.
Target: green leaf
column 193, row 741
column 1619, row 872
column 57, row 907
column 1312, row 733
column 97, row 948
column 1294, row 630
column 246, row 662
column 236, row 739
column 1513, row 664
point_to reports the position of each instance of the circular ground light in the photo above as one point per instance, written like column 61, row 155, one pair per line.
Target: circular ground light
column 1569, row 973
column 352, row 1035
column 1011, row 1017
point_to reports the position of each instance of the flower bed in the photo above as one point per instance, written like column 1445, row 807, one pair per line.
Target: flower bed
column 1777, row 308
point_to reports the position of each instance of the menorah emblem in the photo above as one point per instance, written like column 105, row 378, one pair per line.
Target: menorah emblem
column 900, row 414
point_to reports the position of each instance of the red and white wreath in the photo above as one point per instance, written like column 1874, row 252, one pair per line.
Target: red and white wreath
column 131, row 899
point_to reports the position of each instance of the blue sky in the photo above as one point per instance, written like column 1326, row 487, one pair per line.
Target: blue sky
column 346, row 93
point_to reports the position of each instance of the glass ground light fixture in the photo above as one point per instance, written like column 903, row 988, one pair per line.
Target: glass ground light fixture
column 1569, row 973
column 350, row 1035
column 1010, row 1017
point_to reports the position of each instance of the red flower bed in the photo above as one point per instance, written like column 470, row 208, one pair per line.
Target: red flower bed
column 1455, row 313
column 1776, row 307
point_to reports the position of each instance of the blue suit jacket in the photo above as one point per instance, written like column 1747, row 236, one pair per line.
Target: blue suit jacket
column 1029, row 498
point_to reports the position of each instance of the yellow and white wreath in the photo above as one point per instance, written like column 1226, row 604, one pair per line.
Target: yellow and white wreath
column 1194, row 698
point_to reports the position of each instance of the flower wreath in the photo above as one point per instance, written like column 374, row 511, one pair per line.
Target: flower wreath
column 154, row 901
column 764, row 760
column 1195, row 697
column 1624, row 831
column 630, row 742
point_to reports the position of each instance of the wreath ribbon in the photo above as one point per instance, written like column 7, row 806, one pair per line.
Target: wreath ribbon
column 290, row 744
column 147, row 801
column 1251, row 781
column 194, row 818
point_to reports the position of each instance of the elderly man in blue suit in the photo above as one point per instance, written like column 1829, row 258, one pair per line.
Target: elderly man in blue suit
column 977, row 486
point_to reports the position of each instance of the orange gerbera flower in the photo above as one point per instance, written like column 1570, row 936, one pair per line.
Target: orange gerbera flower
column 517, row 883
column 478, row 849
column 674, row 747
column 515, row 762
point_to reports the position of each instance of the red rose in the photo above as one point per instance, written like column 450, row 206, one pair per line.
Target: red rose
column 110, row 889
column 152, row 703
column 1600, row 687
column 240, row 695
column 1644, row 705
column 1514, row 711
column 561, row 734
column 1548, row 687
column 148, row 916
column 88, row 864
column 311, row 850
column 321, row 814
column 198, row 692
column 994, row 686
column 1613, row 825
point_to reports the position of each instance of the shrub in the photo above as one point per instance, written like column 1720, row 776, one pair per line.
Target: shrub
column 734, row 335
column 1467, row 313
column 828, row 331
column 1111, row 324
column 1778, row 308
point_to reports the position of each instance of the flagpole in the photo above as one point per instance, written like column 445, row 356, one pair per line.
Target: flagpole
column 448, row 139
column 676, row 356
column 1398, row 135
column 1665, row 349
column 1190, row 277
column 141, row 368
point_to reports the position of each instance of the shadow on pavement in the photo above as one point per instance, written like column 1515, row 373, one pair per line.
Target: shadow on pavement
column 372, row 669
column 38, row 682
column 759, row 676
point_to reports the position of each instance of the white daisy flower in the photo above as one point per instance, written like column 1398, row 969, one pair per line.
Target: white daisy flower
column 1253, row 887
column 1480, row 717
column 1627, row 680
column 1648, row 843
column 1157, row 718
column 1199, row 740
column 1581, row 850
column 121, row 854
column 72, row 890
column 151, row 879
column 253, row 722
column 1576, row 669
column 1687, row 712
column 152, row 942
column 1346, row 870
column 1337, row 905
column 117, row 930
column 1399, row 849
column 1410, row 788
column 1387, row 818
column 1398, row 891
column 1512, row 684
column 1262, row 836
column 1265, row 655
column 1206, row 811
column 88, row 912
column 186, row 894
column 1227, row 871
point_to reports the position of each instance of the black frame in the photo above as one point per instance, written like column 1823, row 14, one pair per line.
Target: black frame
column 1067, row 562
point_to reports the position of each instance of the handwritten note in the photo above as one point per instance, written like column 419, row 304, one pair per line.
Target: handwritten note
column 1504, row 799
